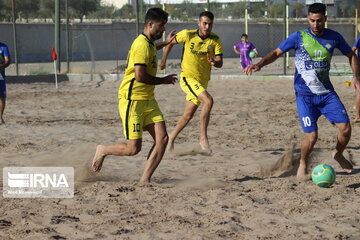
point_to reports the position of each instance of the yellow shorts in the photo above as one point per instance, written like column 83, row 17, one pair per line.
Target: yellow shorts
column 136, row 114
column 192, row 88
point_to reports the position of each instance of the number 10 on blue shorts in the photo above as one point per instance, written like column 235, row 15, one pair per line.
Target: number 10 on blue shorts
column 310, row 108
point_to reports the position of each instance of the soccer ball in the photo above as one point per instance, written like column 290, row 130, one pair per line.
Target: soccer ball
column 323, row 175
column 252, row 54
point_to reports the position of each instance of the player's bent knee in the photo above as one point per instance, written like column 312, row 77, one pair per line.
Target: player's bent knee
column 164, row 140
column 133, row 150
column 345, row 130
column 208, row 100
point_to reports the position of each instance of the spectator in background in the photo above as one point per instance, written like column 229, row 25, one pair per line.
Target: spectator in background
column 243, row 49
column 4, row 63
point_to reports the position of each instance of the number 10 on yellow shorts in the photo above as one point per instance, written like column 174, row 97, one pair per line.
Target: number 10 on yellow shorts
column 137, row 114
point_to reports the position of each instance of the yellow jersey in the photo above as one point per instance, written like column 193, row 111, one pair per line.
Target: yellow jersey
column 194, row 60
column 142, row 52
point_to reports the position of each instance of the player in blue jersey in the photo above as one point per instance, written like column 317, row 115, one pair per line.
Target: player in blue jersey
column 315, row 94
column 357, row 99
column 4, row 63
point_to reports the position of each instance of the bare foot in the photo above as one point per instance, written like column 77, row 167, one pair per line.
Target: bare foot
column 98, row 158
column 204, row 144
column 144, row 183
column 357, row 120
column 170, row 145
column 2, row 121
column 301, row 173
column 344, row 163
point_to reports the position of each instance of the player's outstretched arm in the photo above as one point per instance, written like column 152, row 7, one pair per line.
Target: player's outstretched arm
column 142, row 76
column 354, row 63
column 167, row 41
column 269, row 58
column 166, row 53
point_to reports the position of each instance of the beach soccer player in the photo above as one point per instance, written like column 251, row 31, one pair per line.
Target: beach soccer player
column 202, row 49
column 138, row 108
column 243, row 49
column 4, row 63
column 355, row 47
column 315, row 95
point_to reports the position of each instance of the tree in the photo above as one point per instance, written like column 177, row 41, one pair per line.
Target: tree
column 23, row 9
column 298, row 7
column 81, row 8
column 276, row 11
column 126, row 12
column 27, row 8
column 105, row 12
column 5, row 10
column 47, row 9
column 257, row 9
column 236, row 10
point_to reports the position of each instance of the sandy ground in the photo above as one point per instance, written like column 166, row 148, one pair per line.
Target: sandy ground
column 228, row 195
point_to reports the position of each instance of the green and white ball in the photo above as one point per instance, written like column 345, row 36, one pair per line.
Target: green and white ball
column 323, row 175
column 252, row 54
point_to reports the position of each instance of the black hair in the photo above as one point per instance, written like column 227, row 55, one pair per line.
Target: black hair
column 317, row 8
column 244, row 35
column 156, row 15
column 208, row 14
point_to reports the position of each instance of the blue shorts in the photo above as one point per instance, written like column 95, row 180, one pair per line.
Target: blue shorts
column 2, row 89
column 310, row 108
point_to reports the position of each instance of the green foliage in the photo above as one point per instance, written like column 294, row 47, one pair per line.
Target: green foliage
column 276, row 11
column 299, row 9
column 346, row 8
column 81, row 8
column 105, row 12
column 5, row 10
column 126, row 12
column 47, row 9
column 186, row 11
column 27, row 9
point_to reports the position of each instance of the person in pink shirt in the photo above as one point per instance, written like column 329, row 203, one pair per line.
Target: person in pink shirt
column 243, row 49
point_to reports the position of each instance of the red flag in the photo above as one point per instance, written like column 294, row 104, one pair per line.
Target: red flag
column 53, row 54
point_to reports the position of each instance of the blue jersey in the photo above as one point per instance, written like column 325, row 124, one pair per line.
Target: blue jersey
column 312, row 59
column 357, row 45
column 4, row 52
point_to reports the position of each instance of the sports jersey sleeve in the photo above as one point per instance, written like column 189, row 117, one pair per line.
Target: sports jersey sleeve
column 289, row 43
column 357, row 43
column 6, row 51
column 218, row 48
column 141, row 54
column 182, row 36
column 343, row 46
column 252, row 46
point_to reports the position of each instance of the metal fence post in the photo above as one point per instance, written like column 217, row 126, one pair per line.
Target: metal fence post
column 137, row 17
column 246, row 21
column 57, row 34
column 284, row 57
column 14, row 37
column 356, row 23
column 67, row 37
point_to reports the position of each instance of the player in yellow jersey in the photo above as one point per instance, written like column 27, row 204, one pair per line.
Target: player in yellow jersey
column 138, row 108
column 202, row 49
